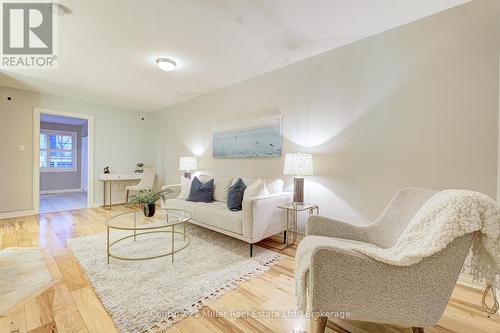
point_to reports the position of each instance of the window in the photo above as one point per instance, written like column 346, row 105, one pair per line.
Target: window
column 57, row 151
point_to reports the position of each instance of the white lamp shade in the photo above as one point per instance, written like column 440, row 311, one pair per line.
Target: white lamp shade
column 188, row 164
column 298, row 164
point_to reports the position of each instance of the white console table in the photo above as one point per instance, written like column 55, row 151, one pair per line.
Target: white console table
column 116, row 176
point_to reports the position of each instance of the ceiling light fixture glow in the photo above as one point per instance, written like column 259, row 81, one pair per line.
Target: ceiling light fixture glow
column 166, row 64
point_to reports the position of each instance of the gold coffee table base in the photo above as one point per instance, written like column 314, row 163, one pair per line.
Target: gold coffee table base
column 166, row 220
column 187, row 240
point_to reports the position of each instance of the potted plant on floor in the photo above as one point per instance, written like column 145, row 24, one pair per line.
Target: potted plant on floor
column 147, row 200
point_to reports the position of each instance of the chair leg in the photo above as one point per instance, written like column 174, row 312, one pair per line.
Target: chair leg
column 321, row 324
column 284, row 237
column 126, row 198
column 417, row 329
column 251, row 250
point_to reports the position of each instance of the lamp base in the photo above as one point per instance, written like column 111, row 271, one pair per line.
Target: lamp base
column 187, row 174
column 298, row 190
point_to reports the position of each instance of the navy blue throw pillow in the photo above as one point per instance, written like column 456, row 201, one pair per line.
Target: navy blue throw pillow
column 235, row 195
column 201, row 192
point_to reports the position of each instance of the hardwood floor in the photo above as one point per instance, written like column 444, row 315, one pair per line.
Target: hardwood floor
column 62, row 201
column 70, row 305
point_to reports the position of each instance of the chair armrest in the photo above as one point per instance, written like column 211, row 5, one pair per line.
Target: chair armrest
column 341, row 279
column 323, row 226
column 172, row 190
column 172, row 187
column 262, row 217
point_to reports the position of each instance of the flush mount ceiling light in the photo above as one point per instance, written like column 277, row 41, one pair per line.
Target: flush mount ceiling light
column 166, row 64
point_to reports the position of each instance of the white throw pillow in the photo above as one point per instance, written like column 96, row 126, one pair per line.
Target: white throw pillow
column 221, row 185
column 185, row 188
column 256, row 189
column 275, row 186
column 263, row 190
column 203, row 178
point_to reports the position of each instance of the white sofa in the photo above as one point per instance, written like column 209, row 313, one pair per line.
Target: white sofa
column 259, row 218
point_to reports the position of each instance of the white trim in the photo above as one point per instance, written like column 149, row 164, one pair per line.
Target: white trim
column 61, row 191
column 467, row 280
column 16, row 213
column 36, row 154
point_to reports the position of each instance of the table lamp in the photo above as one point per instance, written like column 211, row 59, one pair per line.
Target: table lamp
column 188, row 164
column 298, row 165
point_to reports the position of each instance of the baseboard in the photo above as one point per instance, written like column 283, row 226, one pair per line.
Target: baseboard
column 468, row 281
column 61, row 191
column 16, row 213
column 100, row 204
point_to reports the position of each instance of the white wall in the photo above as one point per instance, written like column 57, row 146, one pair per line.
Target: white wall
column 120, row 142
column 414, row 106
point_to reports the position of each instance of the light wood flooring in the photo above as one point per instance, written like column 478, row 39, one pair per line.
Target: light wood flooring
column 70, row 305
column 62, row 201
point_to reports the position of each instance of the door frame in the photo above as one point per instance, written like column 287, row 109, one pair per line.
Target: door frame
column 36, row 154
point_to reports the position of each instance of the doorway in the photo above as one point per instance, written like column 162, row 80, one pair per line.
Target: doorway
column 63, row 170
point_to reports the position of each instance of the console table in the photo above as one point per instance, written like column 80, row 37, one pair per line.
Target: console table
column 109, row 178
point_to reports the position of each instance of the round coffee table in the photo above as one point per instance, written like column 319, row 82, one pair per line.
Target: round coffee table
column 164, row 221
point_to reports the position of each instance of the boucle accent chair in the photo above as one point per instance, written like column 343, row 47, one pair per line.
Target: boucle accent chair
column 342, row 280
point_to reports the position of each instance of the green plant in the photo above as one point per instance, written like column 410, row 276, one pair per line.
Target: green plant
column 139, row 166
column 146, row 197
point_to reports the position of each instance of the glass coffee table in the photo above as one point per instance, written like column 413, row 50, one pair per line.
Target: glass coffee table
column 134, row 226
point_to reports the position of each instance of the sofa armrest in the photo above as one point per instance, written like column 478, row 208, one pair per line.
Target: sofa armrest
column 262, row 217
column 323, row 226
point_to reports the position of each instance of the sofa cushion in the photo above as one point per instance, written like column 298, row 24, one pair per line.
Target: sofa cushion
column 189, row 206
column 221, row 186
column 201, row 192
column 235, row 195
column 217, row 214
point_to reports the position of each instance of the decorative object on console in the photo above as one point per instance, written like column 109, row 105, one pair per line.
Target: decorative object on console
column 259, row 137
column 106, row 170
column 188, row 164
column 298, row 165
column 235, row 195
column 201, row 192
column 147, row 199
column 139, row 168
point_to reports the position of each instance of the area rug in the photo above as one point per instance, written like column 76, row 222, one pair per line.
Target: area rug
column 154, row 294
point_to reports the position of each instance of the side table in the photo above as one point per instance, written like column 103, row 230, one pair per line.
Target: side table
column 292, row 217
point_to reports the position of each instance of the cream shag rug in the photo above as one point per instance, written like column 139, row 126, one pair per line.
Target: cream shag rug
column 153, row 294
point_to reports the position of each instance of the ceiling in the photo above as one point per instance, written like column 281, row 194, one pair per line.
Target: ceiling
column 107, row 49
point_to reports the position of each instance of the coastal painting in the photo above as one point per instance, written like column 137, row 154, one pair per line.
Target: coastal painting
column 259, row 137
